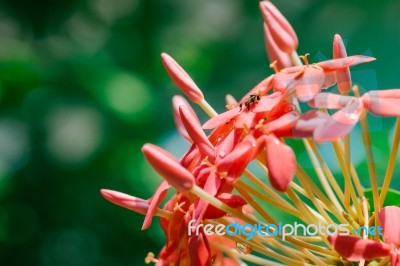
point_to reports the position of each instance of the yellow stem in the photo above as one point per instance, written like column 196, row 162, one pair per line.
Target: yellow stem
column 310, row 218
column 354, row 175
column 371, row 168
column 295, row 58
column 277, row 200
column 304, row 178
column 325, row 177
column 391, row 163
column 207, row 108
column 347, row 178
column 348, row 163
column 255, row 205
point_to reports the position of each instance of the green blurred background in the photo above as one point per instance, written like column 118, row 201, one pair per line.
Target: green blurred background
column 82, row 88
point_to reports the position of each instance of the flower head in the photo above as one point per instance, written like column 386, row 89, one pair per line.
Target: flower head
column 244, row 170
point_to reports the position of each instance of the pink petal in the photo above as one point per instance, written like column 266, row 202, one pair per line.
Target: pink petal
column 281, row 31
column 211, row 186
column 221, row 118
column 274, row 52
column 310, row 84
column 341, row 63
column 168, row 167
column 233, row 201
column 382, row 103
column 343, row 76
column 308, row 122
column 284, row 81
column 268, row 102
column 126, row 201
column 156, row 200
column 281, row 163
column 329, row 101
column 283, row 123
column 199, row 250
column 292, row 70
column 181, row 79
column 177, row 101
column 330, row 79
column 244, row 119
column 341, row 123
column 196, row 133
column 389, row 218
column 191, row 157
column 226, row 145
column 356, row 249
column 236, row 161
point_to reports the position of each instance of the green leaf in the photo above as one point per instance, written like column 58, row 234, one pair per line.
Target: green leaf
column 392, row 198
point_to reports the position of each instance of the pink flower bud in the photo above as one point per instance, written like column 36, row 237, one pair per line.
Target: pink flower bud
column 181, row 79
column 177, row 101
column 124, row 200
column 280, row 29
column 168, row 167
column 274, row 52
column 196, row 133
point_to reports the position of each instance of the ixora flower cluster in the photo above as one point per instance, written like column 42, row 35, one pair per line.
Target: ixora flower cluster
column 214, row 186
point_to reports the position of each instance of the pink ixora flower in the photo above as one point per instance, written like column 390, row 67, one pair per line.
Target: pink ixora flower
column 214, row 184
column 356, row 249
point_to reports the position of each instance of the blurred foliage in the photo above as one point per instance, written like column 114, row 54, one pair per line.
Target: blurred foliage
column 82, row 89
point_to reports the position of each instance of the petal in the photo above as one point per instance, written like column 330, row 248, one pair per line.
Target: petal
column 343, row 76
column 199, row 250
column 356, row 249
column 268, row 102
column 341, row 123
column 191, row 157
column 281, row 163
column 226, row 145
column 168, row 167
column 211, row 186
column 235, row 162
column 329, row 101
column 308, row 122
column 285, row 81
column 181, row 79
column 221, row 118
column 283, row 123
column 156, row 200
column 310, row 84
column 382, row 103
column 233, row 201
column 124, row 200
column 341, row 63
column 389, row 218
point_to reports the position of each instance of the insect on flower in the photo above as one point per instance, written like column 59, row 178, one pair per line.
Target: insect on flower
column 249, row 101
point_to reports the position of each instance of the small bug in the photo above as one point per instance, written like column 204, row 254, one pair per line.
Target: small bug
column 248, row 102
